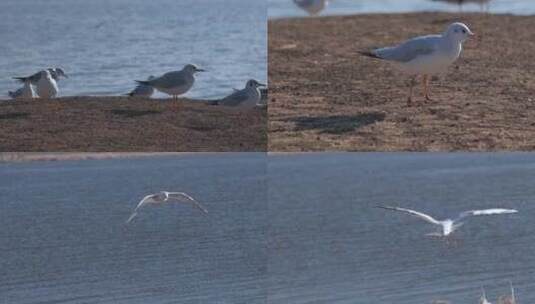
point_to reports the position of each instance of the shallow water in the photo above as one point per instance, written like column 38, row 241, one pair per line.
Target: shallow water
column 105, row 45
column 286, row 8
column 328, row 244
column 63, row 237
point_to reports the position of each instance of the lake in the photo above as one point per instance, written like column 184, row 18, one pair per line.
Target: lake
column 105, row 45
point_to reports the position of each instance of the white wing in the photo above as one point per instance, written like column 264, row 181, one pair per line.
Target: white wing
column 183, row 197
column 492, row 211
column 145, row 200
column 420, row 215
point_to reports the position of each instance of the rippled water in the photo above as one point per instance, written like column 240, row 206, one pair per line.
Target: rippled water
column 286, row 8
column 63, row 238
column 328, row 244
column 105, row 45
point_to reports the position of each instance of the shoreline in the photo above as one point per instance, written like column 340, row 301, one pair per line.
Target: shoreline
column 122, row 124
column 325, row 97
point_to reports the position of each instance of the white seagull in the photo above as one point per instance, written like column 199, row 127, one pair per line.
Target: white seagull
column 250, row 96
column 142, row 90
column 448, row 226
column 425, row 55
column 166, row 197
column 312, row 7
column 26, row 92
column 56, row 73
column 45, row 88
column 176, row 82
column 46, row 85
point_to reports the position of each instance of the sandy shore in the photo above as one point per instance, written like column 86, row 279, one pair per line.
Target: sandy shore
column 324, row 96
column 119, row 124
column 61, row 156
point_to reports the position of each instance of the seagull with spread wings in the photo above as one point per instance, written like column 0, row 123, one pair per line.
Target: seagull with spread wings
column 448, row 226
column 166, row 197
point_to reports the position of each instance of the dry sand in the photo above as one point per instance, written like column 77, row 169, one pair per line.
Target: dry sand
column 324, row 96
column 120, row 124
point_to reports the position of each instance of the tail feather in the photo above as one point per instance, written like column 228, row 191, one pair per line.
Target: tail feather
column 143, row 82
column 369, row 54
column 21, row 79
column 213, row 102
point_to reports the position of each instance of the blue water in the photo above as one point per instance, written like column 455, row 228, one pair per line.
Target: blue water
column 286, row 8
column 328, row 244
column 104, row 45
column 63, row 237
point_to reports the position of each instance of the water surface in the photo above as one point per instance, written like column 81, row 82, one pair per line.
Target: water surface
column 286, row 8
column 63, row 237
column 328, row 244
column 105, row 45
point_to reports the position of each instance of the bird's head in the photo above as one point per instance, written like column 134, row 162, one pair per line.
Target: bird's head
column 254, row 84
column 59, row 72
column 191, row 68
column 458, row 31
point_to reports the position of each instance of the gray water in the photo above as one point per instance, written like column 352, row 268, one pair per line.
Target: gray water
column 105, row 45
column 328, row 244
column 63, row 238
column 286, row 8
column 286, row 228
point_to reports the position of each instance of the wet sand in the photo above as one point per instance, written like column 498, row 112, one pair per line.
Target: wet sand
column 324, row 96
column 120, row 124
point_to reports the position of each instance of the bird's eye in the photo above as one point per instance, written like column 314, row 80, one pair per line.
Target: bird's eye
column 464, row 31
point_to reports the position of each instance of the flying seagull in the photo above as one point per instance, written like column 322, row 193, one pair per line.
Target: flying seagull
column 448, row 226
column 166, row 197
column 425, row 55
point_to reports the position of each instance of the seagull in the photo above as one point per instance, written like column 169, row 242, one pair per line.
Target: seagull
column 174, row 83
column 26, row 92
column 312, row 7
column 166, row 197
column 483, row 4
column 55, row 74
column 46, row 85
column 142, row 90
column 450, row 225
column 425, row 55
column 249, row 96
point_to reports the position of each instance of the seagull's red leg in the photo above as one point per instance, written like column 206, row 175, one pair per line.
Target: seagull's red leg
column 427, row 79
column 409, row 100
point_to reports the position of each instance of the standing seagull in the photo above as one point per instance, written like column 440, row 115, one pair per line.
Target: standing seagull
column 448, row 226
column 425, row 55
column 174, row 83
column 166, row 197
column 35, row 79
column 142, row 90
column 46, row 85
column 249, row 96
column 26, row 92
column 312, row 7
